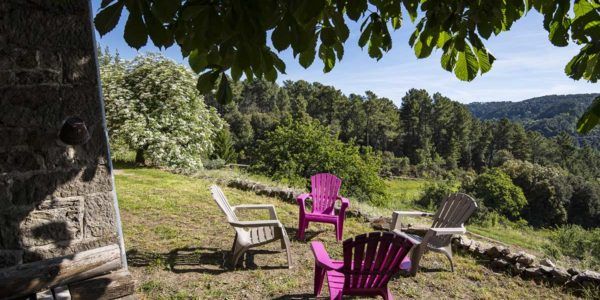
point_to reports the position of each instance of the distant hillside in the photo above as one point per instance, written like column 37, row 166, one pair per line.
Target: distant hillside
column 549, row 115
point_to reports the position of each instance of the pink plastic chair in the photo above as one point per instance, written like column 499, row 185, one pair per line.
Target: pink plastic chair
column 324, row 192
column 370, row 260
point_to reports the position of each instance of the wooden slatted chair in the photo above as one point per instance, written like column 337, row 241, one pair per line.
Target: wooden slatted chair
column 249, row 234
column 370, row 260
column 324, row 193
column 448, row 220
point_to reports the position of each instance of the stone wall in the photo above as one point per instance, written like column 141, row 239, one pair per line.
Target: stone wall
column 55, row 199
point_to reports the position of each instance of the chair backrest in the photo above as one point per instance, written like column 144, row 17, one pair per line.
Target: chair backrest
column 325, row 189
column 452, row 213
column 221, row 200
column 370, row 260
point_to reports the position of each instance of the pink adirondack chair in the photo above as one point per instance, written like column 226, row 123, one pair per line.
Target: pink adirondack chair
column 325, row 189
column 370, row 260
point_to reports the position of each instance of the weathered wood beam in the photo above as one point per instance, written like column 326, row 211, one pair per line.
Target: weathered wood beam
column 25, row 279
column 110, row 286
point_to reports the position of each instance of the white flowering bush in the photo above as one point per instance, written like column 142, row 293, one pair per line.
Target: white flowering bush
column 154, row 108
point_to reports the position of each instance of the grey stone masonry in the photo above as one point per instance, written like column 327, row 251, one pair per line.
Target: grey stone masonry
column 55, row 199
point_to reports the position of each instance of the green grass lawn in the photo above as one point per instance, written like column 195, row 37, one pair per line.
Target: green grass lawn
column 178, row 244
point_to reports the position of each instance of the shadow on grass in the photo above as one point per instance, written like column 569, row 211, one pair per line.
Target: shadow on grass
column 198, row 260
column 302, row 296
column 308, row 234
column 126, row 164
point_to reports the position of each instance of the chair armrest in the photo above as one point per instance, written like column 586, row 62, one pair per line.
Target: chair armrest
column 413, row 213
column 396, row 224
column 448, row 231
column 301, row 200
column 321, row 256
column 261, row 223
column 268, row 207
column 345, row 201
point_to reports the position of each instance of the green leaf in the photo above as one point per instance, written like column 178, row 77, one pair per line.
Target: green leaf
column 339, row 49
column 236, row 72
column 422, row 50
column 281, row 37
column 165, row 10
column 559, row 35
column 160, row 36
column 271, row 74
column 466, row 65
column 107, row 19
column 411, row 7
column 308, row 10
column 328, row 36
column 307, row 57
column 197, row 61
column 135, row 31
column 340, row 26
column 206, row 81
column 224, row 95
column 355, row 9
column 590, row 117
column 396, row 22
column 327, row 55
column 449, row 59
column 279, row 64
column 364, row 36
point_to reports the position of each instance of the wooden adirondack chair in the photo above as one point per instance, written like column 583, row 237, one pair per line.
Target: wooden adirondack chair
column 448, row 220
column 249, row 234
column 324, row 193
column 370, row 260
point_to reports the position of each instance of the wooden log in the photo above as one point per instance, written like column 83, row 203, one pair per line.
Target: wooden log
column 44, row 295
column 110, row 286
column 61, row 293
column 25, row 279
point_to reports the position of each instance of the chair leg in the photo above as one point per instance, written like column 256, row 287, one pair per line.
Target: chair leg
column 448, row 253
column 237, row 253
column 415, row 259
column 302, row 225
column 339, row 230
column 319, row 278
column 288, row 249
column 386, row 294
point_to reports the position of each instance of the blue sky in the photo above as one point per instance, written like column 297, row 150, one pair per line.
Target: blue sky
column 527, row 66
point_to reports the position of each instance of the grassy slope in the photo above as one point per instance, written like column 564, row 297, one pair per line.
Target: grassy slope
column 177, row 243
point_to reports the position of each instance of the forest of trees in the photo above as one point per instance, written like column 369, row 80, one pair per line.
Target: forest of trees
column 428, row 135
column 549, row 115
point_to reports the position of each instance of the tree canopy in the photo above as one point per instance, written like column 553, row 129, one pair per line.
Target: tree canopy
column 153, row 108
column 221, row 35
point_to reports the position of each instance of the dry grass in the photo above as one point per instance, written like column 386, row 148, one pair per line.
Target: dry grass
column 178, row 243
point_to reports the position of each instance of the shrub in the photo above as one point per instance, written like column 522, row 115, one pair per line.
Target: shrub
column 498, row 193
column 393, row 165
column 576, row 242
column 214, row 164
column 293, row 152
column 435, row 193
column 224, row 148
column 584, row 207
column 546, row 189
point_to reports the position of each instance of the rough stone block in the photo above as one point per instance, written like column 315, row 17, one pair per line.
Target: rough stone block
column 99, row 216
column 51, row 226
column 66, row 248
column 525, row 259
column 560, row 275
column 30, row 106
column 20, row 161
column 12, row 137
column 52, row 30
column 10, row 258
column 547, row 262
column 37, row 77
column 25, row 58
column 50, row 60
column 6, row 78
column 78, row 67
